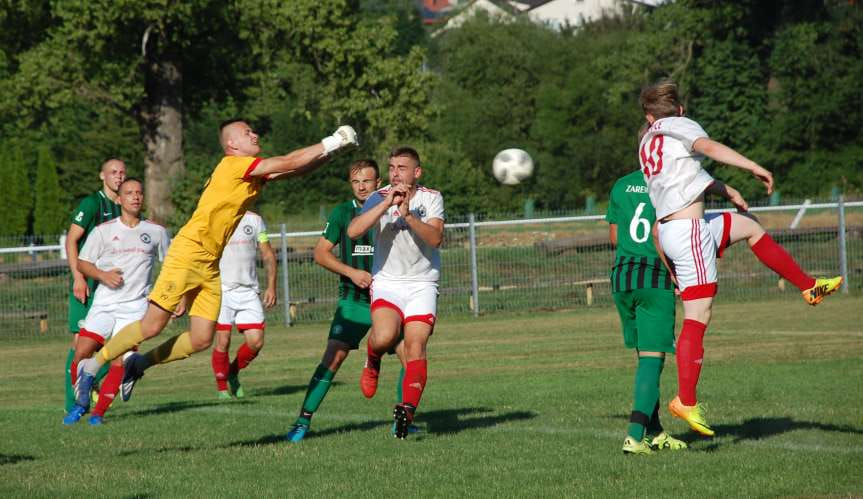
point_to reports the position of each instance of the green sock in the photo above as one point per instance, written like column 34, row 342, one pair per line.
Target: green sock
column 70, row 390
column 319, row 385
column 646, row 395
column 399, row 386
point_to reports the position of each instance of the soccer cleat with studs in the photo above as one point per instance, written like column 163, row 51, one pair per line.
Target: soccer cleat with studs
column 665, row 441
column 822, row 288
column 693, row 415
column 403, row 416
column 131, row 374
column 632, row 446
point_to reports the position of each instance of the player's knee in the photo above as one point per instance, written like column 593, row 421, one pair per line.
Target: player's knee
column 255, row 343
column 200, row 343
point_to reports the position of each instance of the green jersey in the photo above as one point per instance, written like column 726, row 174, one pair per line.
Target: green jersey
column 357, row 253
column 93, row 210
column 636, row 263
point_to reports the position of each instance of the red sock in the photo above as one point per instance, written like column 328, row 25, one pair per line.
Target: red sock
column 778, row 260
column 374, row 359
column 73, row 371
column 416, row 373
column 245, row 356
column 109, row 390
column 221, row 364
column 690, row 355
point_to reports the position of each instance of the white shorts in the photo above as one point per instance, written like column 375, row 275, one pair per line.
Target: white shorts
column 104, row 320
column 241, row 306
column 693, row 245
column 414, row 301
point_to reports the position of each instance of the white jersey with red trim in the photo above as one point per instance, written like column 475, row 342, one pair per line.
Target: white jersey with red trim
column 238, row 265
column 401, row 255
column 114, row 245
column 671, row 168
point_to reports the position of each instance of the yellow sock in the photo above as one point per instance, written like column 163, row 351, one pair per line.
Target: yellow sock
column 177, row 348
column 126, row 339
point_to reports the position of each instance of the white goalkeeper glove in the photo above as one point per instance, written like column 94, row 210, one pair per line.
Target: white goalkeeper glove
column 344, row 138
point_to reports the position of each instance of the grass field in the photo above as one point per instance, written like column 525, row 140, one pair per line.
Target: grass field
column 517, row 405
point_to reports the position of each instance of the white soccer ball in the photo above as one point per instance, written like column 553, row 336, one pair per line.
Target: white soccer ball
column 511, row 166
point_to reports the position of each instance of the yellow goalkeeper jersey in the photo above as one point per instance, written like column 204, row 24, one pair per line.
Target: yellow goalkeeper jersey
column 228, row 194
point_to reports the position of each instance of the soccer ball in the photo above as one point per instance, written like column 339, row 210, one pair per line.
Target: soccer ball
column 511, row 166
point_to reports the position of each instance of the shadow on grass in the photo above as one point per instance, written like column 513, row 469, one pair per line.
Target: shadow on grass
column 282, row 390
column 180, row 406
column 760, row 428
column 313, row 434
column 14, row 458
column 450, row 421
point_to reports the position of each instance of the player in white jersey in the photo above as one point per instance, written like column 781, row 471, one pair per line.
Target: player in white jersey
column 241, row 304
column 120, row 255
column 670, row 154
column 409, row 220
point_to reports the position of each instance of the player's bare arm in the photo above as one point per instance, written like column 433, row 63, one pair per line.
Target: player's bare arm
column 79, row 283
column 724, row 154
column 612, row 234
column 430, row 232
column 308, row 158
column 269, row 258
column 365, row 221
column 730, row 193
column 325, row 258
column 112, row 278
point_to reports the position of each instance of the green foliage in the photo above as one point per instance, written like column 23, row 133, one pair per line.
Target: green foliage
column 49, row 213
column 16, row 194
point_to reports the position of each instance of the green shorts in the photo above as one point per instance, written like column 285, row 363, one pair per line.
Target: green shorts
column 351, row 323
column 647, row 316
column 77, row 310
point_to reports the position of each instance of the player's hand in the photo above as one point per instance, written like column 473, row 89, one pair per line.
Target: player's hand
column 112, row 278
column 396, row 195
column 180, row 309
column 765, row 177
column 344, row 138
column 269, row 298
column 80, row 290
column 405, row 204
column 735, row 198
column 362, row 279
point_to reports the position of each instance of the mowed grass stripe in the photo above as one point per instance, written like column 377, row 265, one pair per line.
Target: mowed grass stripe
column 516, row 405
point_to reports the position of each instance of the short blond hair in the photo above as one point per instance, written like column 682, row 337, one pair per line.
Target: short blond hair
column 661, row 99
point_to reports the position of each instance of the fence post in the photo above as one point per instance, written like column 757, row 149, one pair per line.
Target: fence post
column 286, row 298
column 843, row 255
column 474, row 280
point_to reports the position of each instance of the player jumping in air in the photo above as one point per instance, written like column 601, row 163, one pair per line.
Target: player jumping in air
column 191, row 268
column 670, row 153
column 119, row 254
column 352, row 319
column 405, row 273
column 241, row 304
column 644, row 294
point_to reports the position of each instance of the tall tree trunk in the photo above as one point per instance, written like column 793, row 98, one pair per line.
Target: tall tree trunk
column 161, row 121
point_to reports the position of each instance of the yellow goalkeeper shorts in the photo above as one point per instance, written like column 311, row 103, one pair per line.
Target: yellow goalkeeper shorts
column 189, row 270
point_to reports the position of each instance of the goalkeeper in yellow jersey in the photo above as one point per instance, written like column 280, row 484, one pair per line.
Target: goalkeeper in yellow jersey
column 189, row 278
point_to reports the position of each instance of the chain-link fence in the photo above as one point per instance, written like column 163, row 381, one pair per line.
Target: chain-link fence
column 488, row 266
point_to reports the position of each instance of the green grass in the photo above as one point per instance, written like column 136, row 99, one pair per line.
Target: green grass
column 517, row 405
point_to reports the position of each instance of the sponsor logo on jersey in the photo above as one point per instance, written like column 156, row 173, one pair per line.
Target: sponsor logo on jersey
column 108, row 214
column 145, row 238
column 641, row 189
column 247, row 229
column 363, row 250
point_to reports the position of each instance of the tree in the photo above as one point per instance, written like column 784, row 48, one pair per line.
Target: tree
column 49, row 213
column 16, row 195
